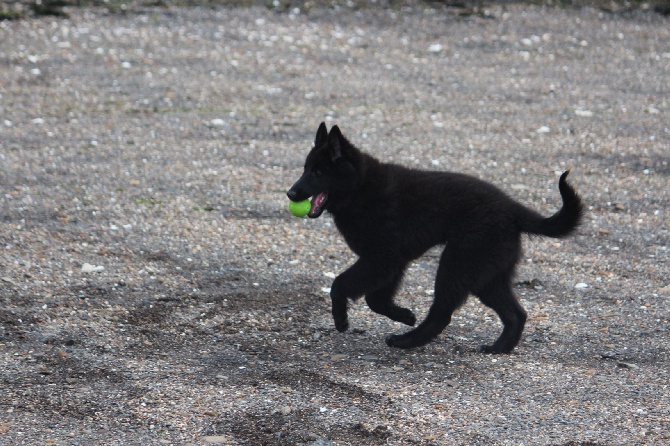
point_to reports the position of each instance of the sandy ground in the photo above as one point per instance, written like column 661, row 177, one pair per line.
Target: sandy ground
column 154, row 288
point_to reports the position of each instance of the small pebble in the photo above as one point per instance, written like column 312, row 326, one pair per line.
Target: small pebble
column 88, row 268
column 215, row 439
column 627, row 365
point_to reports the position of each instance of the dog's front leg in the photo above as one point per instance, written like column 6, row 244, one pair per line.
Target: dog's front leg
column 362, row 277
column 340, row 291
column 339, row 306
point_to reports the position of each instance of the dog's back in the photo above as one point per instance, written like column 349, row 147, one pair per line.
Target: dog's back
column 414, row 210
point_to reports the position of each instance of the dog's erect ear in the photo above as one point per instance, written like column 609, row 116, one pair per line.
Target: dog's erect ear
column 321, row 135
column 335, row 143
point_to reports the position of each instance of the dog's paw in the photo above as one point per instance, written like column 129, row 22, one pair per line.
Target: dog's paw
column 493, row 350
column 342, row 325
column 406, row 317
column 398, row 341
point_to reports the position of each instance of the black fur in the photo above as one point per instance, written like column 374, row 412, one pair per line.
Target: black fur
column 389, row 215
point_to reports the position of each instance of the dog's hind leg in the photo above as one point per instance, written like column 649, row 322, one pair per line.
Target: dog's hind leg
column 499, row 296
column 363, row 277
column 381, row 301
column 451, row 292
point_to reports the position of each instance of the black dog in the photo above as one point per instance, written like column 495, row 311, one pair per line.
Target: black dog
column 390, row 215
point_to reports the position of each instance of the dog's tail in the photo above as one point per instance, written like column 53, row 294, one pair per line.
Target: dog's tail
column 562, row 223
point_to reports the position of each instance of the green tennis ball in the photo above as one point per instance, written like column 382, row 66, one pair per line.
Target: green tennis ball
column 299, row 208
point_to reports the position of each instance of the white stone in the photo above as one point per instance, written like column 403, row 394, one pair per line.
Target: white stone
column 584, row 113
column 88, row 268
column 435, row 48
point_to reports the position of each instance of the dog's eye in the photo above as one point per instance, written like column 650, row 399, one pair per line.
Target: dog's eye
column 316, row 172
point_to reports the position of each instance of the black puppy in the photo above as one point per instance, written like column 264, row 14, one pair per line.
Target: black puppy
column 390, row 215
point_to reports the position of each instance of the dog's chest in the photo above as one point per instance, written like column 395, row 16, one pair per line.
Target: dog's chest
column 363, row 234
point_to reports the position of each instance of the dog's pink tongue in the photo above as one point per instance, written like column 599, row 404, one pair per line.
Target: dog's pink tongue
column 317, row 202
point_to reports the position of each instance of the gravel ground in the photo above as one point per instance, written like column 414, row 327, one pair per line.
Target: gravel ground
column 155, row 290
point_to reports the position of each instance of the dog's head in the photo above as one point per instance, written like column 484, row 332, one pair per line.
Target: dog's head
column 330, row 172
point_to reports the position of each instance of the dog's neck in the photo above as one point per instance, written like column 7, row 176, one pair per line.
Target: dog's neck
column 371, row 178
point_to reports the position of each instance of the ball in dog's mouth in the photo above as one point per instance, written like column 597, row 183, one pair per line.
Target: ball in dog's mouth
column 318, row 205
column 299, row 208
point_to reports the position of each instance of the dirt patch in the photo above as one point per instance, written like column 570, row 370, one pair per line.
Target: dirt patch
column 156, row 144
